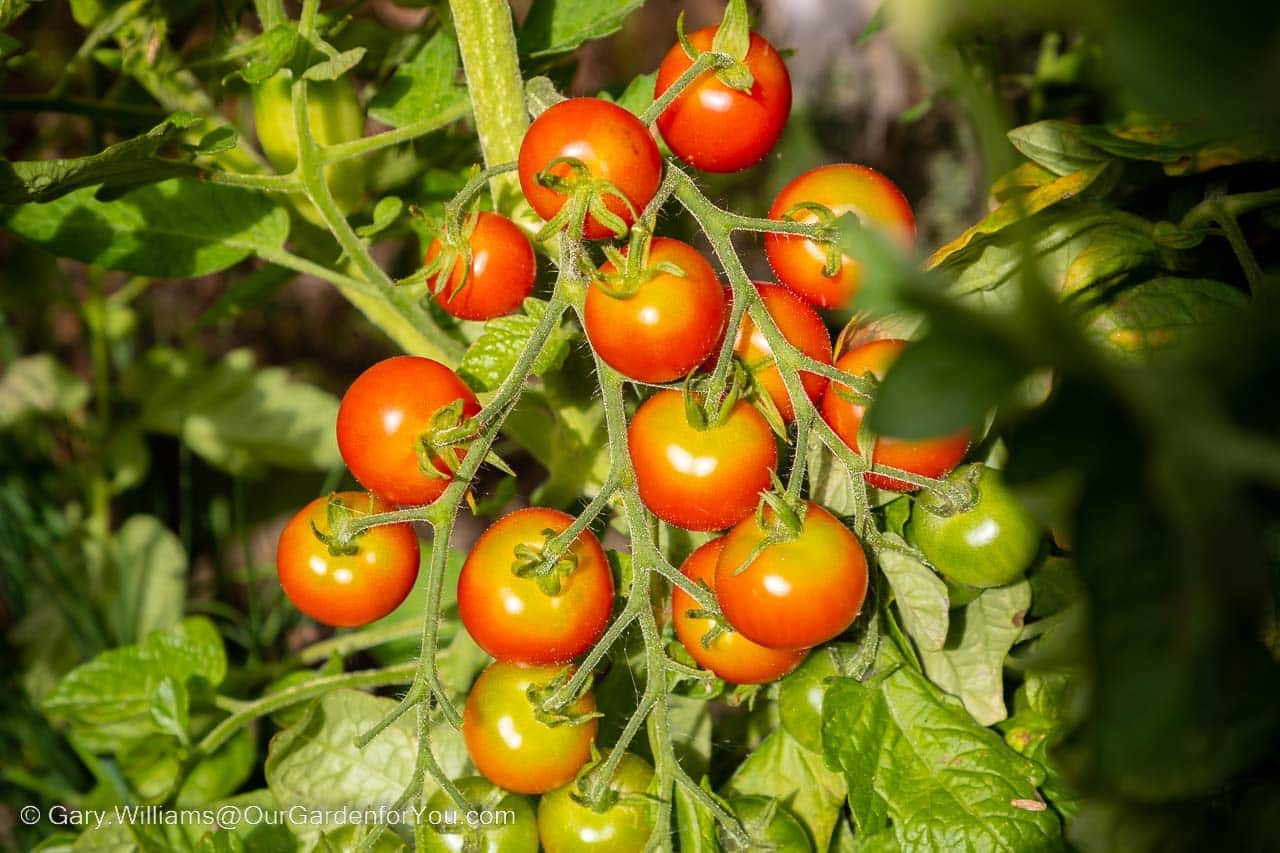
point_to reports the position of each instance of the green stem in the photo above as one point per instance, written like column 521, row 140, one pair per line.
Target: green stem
column 369, row 144
column 706, row 61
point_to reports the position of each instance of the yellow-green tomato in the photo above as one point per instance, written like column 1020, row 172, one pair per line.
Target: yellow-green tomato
column 991, row 544
column 566, row 825
column 335, row 115
column 501, row 822
column 771, row 825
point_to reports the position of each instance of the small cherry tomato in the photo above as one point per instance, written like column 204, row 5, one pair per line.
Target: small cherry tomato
column 932, row 457
column 706, row 479
column 510, row 744
column 503, row 269
column 800, row 263
column 990, row 544
column 668, row 326
column 610, row 144
column 800, row 325
column 717, row 128
column 352, row 585
column 792, row 594
column 568, row 826
column 517, row 832
column 384, row 414
column 730, row 656
column 771, row 825
column 514, row 618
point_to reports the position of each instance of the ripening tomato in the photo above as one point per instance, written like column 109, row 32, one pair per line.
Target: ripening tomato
column 503, row 269
column 513, row 618
column 566, row 825
column 516, row 833
column 931, row 457
column 383, row 415
column 351, row 586
column 800, row 325
column 991, row 544
column 606, row 139
column 717, row 128
column 706, row 479
column 508, row 742
column 771, row 825
column 668, row 326
column 731, row 656
column 792, row 594
column 843, row 188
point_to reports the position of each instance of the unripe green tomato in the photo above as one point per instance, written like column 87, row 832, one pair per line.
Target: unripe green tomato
column 782, row 830
column 991, row 544
column 454, row 834
column 568, row 826
column 335, row 115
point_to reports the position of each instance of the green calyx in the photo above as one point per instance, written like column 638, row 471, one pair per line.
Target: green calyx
column 540, row 697
column 538, row 564
column 732, row 40
column 587, row 196
column 827, row 227
column 341, row 538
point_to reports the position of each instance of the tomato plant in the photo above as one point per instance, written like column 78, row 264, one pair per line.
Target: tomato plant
column 386, row 415
column 566, row 825
column 700, row 479
column 518, row 834
column 507, row 740
column 663, row 325
column 801, row 326
column 729, row 655
column 516, row 613
column 352, row 584
column 818, row 272
column 770, row 825
column 497, row 278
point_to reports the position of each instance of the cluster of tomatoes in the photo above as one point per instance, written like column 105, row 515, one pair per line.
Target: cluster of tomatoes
column 786, row 578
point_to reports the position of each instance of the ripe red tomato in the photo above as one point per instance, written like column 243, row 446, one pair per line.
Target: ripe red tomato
column 800, row 325
column 503, row 270
column 346, row 589
column 668, row 326
column 715, row 127
column 608, row 140
column 706, row 479
column 731, row 656
column 381, row 418
column 796, row 594
column 511, row 617
column 843, row 188
column 931, row 457
column 509, row 744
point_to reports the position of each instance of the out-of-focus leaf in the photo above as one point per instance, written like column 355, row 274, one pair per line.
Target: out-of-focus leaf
column 638, row 95
column 920, row 594
column 275, row 47
column 423, row 88
column 1154, row 316
column 1025, row 177
column 39, row 385
column 335, row 66
column 559, row 26
column 152, row 569
column 492, row 357
column 244, row 294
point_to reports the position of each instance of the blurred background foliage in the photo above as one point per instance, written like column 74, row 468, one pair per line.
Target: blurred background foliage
column 154, row 433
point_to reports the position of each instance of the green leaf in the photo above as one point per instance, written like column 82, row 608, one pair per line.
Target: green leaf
column 236, row 416
column 802, row 693
column 425, row 87
column 493, row 355
column 130, row 163
column 336, row 65
column 110, row 696
column 38, row 385
column 152, row 568
column 696, row 825
column 781, row 768
column 171, row 709
column 1058, row 146
column 1154, row 316
column 252, row 291
column 830, row 482
column 275, row 47
column 559, row 26
column 179, row 228
column 920, row 594
column 253, row 836
column 914, row 756
column 1046, row 706
column 971, row 665
column 638, row 95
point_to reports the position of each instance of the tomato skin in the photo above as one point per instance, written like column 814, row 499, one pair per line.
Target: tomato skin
column 714, row 127
column 930, row 457
column 991, row 544
column 335, row 115
column 346, row 590
column 381, row 417
column 608, row 140
column 732, row 656
column 844, row 188
column 566, row 826
column 503, row 270
column 700, row 479
column 510, row 617
column 797, row 594
column 666, row 328
column 506, row 741
column 799, row 324
column 518, row 836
